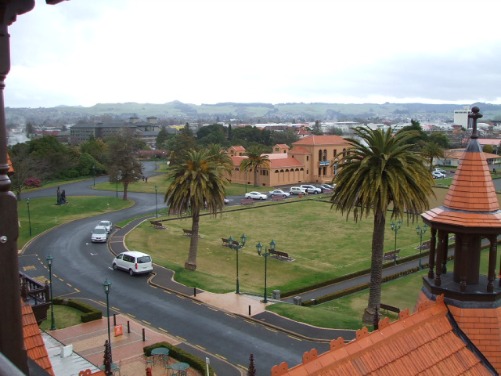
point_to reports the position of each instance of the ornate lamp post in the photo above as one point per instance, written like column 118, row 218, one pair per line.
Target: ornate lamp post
column 29, row 215
column 49, row 260
column 156, row 203
column 395, row 226
column 420, row 230
column 237, row 247
column 107, row 287
column 265, row 254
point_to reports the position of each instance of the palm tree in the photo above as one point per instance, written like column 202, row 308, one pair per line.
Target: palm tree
column 254, row 161
column 220, row 157
column 197, row 183
column 380, row 171
column 431, row 150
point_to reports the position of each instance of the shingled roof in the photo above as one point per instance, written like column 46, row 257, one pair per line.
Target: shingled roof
column 426, row 342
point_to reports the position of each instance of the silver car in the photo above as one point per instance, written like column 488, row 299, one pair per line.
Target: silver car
column 99, row 235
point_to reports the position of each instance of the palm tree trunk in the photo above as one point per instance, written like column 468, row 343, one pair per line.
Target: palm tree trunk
column 376, row 268
column 255, row 176
column 191, row 263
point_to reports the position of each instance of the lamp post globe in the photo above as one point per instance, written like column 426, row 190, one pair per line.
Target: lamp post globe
column 49, row 260
column 243, row 239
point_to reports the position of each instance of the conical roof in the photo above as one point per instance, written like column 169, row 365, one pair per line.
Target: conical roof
column 471, row 200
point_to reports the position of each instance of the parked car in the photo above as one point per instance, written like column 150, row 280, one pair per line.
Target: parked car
column 440, row 170
column 311, row 188
column 437, row 175
column 133, row 262
column 279, row 192
column 297, row 191
column 327, row 187
column 107, row 224
column 226, row 201
column 256, row 196
column 99, row 235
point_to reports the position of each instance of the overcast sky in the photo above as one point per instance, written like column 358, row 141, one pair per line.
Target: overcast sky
column 84, row 52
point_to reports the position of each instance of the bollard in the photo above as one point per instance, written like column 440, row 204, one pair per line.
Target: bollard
column 249, row 310
column 144, row 335
column 128, row 326
column 148, row 372
column 114, row 319
column 194, row 291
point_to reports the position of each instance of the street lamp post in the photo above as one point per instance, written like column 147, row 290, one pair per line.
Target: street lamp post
column 49, row 260
column 107, row 287
column 29, row 215
column 237, row 247
column 395, row 226
column 156, row 203
column 420, row 231
column 94, row 174
column 265, row 254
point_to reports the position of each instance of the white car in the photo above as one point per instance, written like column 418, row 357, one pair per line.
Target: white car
column 99, row 235
column 297, row 191
column 437, row 175
column 311, row 188
column 279, row 193
column 107, row 224
column 133, row 262
column 256, row 196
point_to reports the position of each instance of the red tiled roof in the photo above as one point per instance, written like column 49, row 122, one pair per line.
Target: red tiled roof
column 299, row 150
column 283, row 146
column 33, row 341
column 483, row 327
column 237, row 148
column 321, row 140
column 285, row 162
column 422, row 343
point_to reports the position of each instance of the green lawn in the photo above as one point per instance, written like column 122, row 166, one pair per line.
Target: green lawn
column 64, row 317
column 324, row 245
column 44, row 214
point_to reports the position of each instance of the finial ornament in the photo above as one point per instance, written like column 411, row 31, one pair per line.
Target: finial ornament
column 474, row 115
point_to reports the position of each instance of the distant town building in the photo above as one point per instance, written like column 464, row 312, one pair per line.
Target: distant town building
column 144, row 130
column 461, row 117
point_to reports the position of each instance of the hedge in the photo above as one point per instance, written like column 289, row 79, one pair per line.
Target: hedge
column 89, row 312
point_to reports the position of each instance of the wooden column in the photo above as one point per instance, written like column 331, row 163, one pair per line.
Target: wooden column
column 492, row 263
column 433, row 247
column 440, row 257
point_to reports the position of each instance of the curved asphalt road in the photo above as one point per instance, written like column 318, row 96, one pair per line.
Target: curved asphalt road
column 80, row 268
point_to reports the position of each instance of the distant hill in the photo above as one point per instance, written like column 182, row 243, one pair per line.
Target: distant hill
column 178, row 112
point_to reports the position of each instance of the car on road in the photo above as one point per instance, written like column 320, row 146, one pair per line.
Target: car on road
column 311, row 188
column 279, row 193
column 133, row 262
column 107, row 224
column 437, row 175
column 256, row 195
column 99, row 235
column 297, row 191
column 226, row 201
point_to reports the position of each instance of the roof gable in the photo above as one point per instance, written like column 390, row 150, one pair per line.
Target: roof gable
column 321, row 140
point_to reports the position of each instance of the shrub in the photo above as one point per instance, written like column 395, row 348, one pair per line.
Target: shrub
column 32, row 183
column 89, row 312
